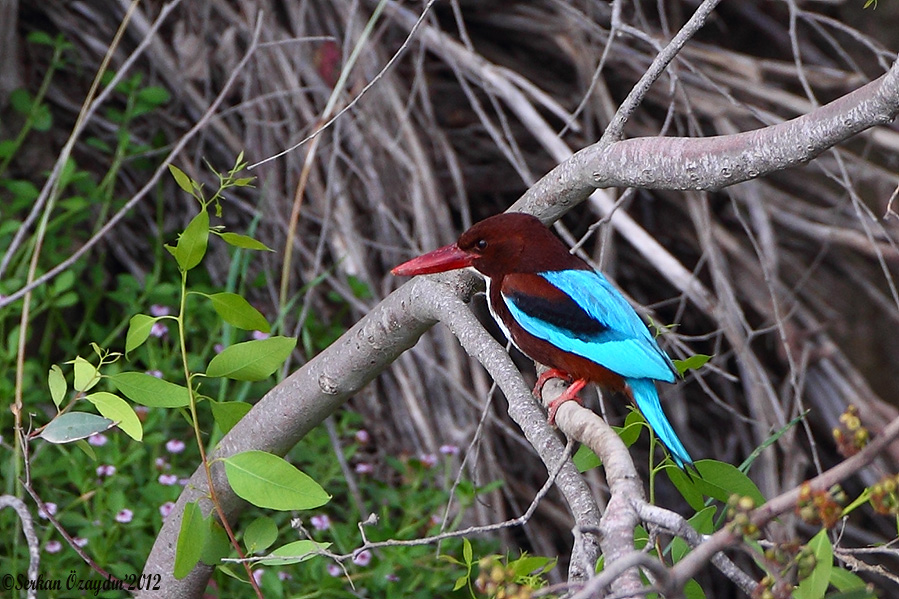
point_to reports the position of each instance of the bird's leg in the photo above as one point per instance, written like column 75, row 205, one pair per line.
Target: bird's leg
column 552, row 373
column 570, row 394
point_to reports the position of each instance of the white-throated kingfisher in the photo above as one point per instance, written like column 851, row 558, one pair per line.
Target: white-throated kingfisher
column 562, row 313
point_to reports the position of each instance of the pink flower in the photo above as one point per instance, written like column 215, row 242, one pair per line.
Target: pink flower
column 259, row 335
column 364, row 468
column 174, row 445
column 428, row 460
column 363, row 558
column 362, row 436
column 156, row 373
column 159, row 330
column 98, row 440
column 168, row 479
column 449, row 449
column 124, row 516
column 105, row 470
column 161, row 464
column 159, row 310
column 53, row 546
column 321, row 522
column 80, row 541
column 166, row 508
column 257, row 575
column 218, row 348
column 392, row 577
column 334, row 570
column 284, row 575
column 49, row 508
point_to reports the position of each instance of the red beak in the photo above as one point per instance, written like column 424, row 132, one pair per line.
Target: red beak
column 449, row 257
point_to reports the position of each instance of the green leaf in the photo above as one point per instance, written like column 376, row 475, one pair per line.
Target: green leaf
column 252, row 360
column 692, row 590
column 21, row 100
column 191, row 245
column 86, row 374
column 295, row 552
column 217, row 545
column 72, row 426
column 466, row 550
column 260, row 534
column 816, row 584
column 269, row 481
column 721, row 480
column 585, row 459
column 181, row 179
column 238, row 312
column 150, row 391
column 244, row 241
column 460, row 582
column 43, row 118
column 191, row 538
column 154, row 95
column 228, row 413
column 844, row 580
column 58, row 385
column 694, row 362
column 528, row 565
column 139, row 328
column 40, row 37
column 117, row 409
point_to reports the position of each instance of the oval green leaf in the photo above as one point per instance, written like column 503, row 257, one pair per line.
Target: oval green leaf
column 238, row 312
column 271, row 482
column 293, row 553
column 260, row 534
column 244, row 241
column 252, row 360
column 191, row 539
column 192, row 243
column 817, row 582
column 117, row 409
column 228, row 413
column 72, row 426
column 58, row 385
column 86, row 374
column 181, row 178
column 150, row 391
column 138, row 331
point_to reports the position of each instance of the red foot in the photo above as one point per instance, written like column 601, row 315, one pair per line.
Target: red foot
column 570, row 394
column 552, row 373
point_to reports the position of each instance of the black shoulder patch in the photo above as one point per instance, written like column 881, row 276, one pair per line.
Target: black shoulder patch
column 566, row 314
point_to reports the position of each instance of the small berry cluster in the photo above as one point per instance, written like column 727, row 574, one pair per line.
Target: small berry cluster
column 885, row 495
column 738, row 512
column 789, row 563
column 821, row 508
column 851, row 437
column 497, row 580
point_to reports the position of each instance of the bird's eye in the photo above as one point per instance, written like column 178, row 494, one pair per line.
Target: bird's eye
column 481, row 244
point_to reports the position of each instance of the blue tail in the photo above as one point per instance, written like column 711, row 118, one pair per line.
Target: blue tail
column 647, row 399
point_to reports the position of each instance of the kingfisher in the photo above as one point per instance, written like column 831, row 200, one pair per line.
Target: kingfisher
column 562, row 313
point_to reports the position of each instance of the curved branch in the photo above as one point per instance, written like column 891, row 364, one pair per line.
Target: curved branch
column 711, row 163
column 34, row 546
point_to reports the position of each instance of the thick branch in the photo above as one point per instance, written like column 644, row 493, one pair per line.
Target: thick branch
column 711, row 163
